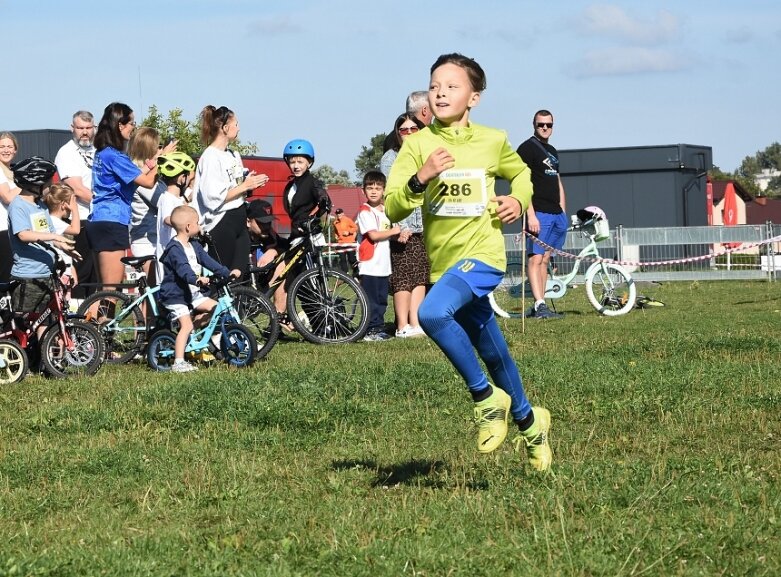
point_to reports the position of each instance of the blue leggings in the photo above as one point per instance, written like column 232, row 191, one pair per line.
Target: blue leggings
column 459, row 322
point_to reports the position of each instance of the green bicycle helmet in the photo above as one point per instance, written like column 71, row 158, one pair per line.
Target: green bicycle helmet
column 174, row 164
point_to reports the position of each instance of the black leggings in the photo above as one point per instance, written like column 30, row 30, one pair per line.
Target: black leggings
column 231, row 243
column 6, row 256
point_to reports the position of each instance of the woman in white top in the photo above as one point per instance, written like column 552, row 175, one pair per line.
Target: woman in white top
column 221, row 187
column 8, row 190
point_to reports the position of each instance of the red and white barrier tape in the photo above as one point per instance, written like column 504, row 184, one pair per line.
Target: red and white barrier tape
column 519, row 237
column 339, row 247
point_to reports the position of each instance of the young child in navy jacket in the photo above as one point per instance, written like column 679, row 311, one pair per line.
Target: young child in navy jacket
column 180, row 291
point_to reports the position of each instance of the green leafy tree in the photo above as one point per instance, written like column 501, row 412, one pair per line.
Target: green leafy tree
column 767, row 159
column 328, row 175
column 369, row 158
column 747, row 182
column 188, row 134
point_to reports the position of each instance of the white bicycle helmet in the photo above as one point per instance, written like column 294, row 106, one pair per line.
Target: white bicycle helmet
column 590, row 212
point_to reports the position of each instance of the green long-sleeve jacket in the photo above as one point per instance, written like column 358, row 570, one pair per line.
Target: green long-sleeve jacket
column 481, row 155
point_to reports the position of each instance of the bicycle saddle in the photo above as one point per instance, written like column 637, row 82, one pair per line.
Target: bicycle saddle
column 136, row 261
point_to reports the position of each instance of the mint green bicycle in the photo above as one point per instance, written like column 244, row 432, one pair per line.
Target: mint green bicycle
column 609, row 286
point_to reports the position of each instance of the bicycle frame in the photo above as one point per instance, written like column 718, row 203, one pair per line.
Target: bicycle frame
column 608, row 286
column 149, row 296
column 556, row 286
column 56, row 306
column 304, row 249
column 589, row 250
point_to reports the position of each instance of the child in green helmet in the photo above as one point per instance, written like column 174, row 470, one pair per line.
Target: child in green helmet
column 176, row 171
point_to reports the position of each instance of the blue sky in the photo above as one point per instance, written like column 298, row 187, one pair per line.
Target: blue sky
column 336, row 72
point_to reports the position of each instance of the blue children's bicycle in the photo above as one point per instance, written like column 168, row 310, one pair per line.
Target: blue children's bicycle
column 237, row 343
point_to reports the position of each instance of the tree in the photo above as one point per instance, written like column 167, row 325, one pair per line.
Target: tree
column 188, row 134
column 768, row 159
column 369, row 158
column 329, row 175
column 747, row 182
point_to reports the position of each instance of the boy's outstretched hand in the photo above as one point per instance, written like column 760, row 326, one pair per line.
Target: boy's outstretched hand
column 235, row 273
column 508, row 209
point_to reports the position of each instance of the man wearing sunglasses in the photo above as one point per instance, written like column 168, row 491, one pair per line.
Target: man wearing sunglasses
column 546, row 218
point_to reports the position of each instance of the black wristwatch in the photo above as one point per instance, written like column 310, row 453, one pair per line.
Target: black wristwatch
column 415, row 185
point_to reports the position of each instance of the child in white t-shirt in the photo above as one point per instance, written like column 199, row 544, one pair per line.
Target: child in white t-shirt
column 176, row 172
column 62, row 205
column 374, row 264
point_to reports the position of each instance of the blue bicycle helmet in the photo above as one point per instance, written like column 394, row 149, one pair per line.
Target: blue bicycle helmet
column 299, row 147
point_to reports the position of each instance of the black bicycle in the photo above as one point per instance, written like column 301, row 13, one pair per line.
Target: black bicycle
column 324, row 305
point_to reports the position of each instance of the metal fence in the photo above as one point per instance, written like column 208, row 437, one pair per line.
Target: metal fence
column 675, row 253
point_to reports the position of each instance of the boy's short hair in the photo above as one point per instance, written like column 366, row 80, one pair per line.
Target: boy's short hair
column 374, row 177
column 473, row 70
column 181, row 215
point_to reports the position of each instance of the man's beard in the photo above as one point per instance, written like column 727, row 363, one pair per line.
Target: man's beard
column 84, row 142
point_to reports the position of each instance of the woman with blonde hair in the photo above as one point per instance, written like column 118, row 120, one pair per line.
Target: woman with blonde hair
column 144, row 145
column 8, row 190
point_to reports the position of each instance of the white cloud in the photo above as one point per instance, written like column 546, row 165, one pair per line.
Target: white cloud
column 626, row 61
column 608, row 20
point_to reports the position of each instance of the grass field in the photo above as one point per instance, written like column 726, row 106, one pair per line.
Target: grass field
column 360, row 460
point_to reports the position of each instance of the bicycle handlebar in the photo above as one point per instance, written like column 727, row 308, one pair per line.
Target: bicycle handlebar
column 59, row 263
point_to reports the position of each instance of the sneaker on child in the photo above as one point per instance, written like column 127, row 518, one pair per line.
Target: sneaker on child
column 183, row 367
column 538, row 449
column 491, row 419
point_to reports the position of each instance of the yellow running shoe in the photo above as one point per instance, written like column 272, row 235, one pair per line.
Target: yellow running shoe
column 536, row 439
column 491, row 419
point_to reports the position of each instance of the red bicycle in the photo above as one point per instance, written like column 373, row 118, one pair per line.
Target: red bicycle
column 68, row 346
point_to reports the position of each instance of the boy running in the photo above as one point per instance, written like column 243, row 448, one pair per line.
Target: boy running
column 449, row 169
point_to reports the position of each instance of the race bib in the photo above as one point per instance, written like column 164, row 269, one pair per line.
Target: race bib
column 39, row 222
column 460, row 192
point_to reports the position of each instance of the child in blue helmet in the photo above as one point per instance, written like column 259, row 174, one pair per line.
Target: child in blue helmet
column 304, row 196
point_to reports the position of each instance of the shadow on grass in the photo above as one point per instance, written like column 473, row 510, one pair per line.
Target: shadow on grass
column 763, row 300
column 416, row 473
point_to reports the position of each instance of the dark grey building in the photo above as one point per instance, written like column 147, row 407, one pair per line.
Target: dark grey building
column 641, row 186
column 638, row 186
column 43, row 143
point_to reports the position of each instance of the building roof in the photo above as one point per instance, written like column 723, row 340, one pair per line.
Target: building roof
column 761, row 213
column 348, row 198
column 719, row 186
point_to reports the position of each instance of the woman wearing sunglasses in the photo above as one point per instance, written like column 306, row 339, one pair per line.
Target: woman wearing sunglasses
column 114, row 182
column 409, row 262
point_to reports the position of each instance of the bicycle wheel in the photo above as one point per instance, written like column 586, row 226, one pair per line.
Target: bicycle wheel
column 160, row 350
column 123, row 328
column 13, row 362
column 328, row 306
column 610, row 289
column 257, row 314
column 84, row 357
column 505, row 304
column 237, row 345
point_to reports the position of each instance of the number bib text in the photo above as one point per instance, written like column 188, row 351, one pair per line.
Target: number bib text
column 460, row 192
